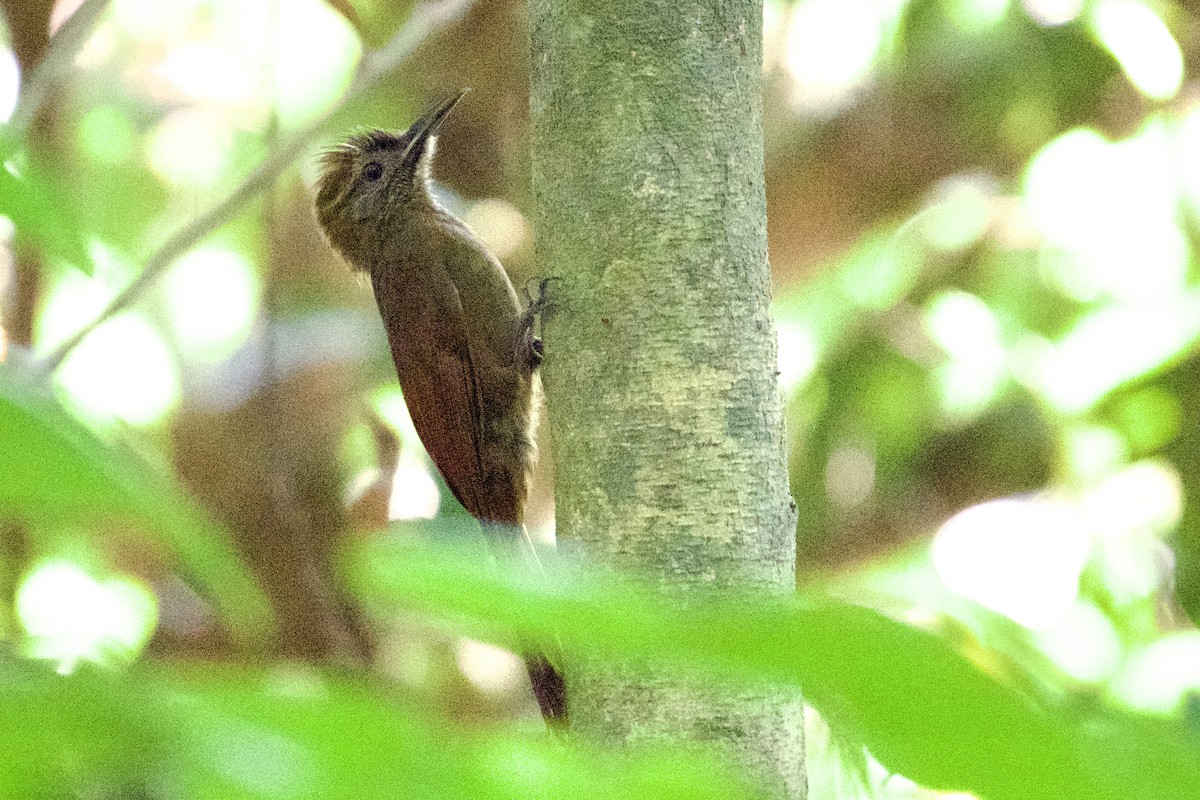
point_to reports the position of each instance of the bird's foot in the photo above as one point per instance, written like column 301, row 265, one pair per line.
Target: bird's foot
column 530, row 349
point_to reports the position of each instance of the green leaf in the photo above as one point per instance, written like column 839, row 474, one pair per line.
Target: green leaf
column 41, row 215
column 295, row 733
column 72, row 737
column 923, row 709
column 335, row 739
column 54, row 471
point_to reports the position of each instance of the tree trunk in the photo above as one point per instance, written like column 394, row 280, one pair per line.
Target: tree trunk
column 664, row 408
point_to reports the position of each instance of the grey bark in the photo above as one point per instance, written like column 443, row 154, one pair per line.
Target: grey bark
column 662, row 397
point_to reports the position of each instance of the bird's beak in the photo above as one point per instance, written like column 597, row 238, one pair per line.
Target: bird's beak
column 427, row 126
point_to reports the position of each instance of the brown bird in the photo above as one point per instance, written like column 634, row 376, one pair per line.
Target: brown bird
column 463, row 347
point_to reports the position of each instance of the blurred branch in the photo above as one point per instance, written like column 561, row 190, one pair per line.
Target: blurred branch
column 426, row 20
column 54, row 66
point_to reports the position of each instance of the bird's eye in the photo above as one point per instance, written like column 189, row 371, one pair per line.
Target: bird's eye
column 373, row 171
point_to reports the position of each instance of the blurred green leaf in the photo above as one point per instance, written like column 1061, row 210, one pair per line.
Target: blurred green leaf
column 318, row 737
column 922, row 708
column 82, row 736
column 293, row 733
column 40, row 213
column 58, row 472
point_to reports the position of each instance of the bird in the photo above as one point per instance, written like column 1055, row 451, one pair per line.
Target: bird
column 463, row 346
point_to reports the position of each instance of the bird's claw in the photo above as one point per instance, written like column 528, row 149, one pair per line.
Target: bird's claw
column 532, row 351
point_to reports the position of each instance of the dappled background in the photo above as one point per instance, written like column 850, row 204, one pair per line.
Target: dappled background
column 983, row 219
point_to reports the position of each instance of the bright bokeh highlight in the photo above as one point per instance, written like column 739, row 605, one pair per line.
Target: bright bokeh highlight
column 1186, row 156
column 212, row 297
column 1082, row 643
column 975, row 16
column 1160, row 675
column 1053, row 12
column 488, row 667
column 1110, row 346
column 1147, row 495
column 959, row 212
column 965, row 328
column 1092, row 453
column 70, row 616
column 798, row 353
column 10, row 83
column 1130, row 514
column 205, row 72
column 154, row 20
column 1018, row 557
column 190, row 148
column 1107, row 213
column 880, row 270
column 830, row 49
column 123, row 370
column 501, row 226
column 75, row 298
column 1106, row 206
column 309, row 79
column 1142, row 44
column 414, row 495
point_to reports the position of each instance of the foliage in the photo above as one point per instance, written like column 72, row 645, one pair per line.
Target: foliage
column 983, row 217
column 61, row 474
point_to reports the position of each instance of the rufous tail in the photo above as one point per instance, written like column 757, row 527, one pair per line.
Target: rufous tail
column 511, row 543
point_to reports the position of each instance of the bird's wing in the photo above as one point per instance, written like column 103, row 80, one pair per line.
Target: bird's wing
column 427, row 331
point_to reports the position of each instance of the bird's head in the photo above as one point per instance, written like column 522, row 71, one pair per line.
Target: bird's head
column 375, row 178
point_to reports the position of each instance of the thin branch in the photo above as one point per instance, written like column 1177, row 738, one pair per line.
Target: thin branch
column 55, row 65
column 427, row 19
